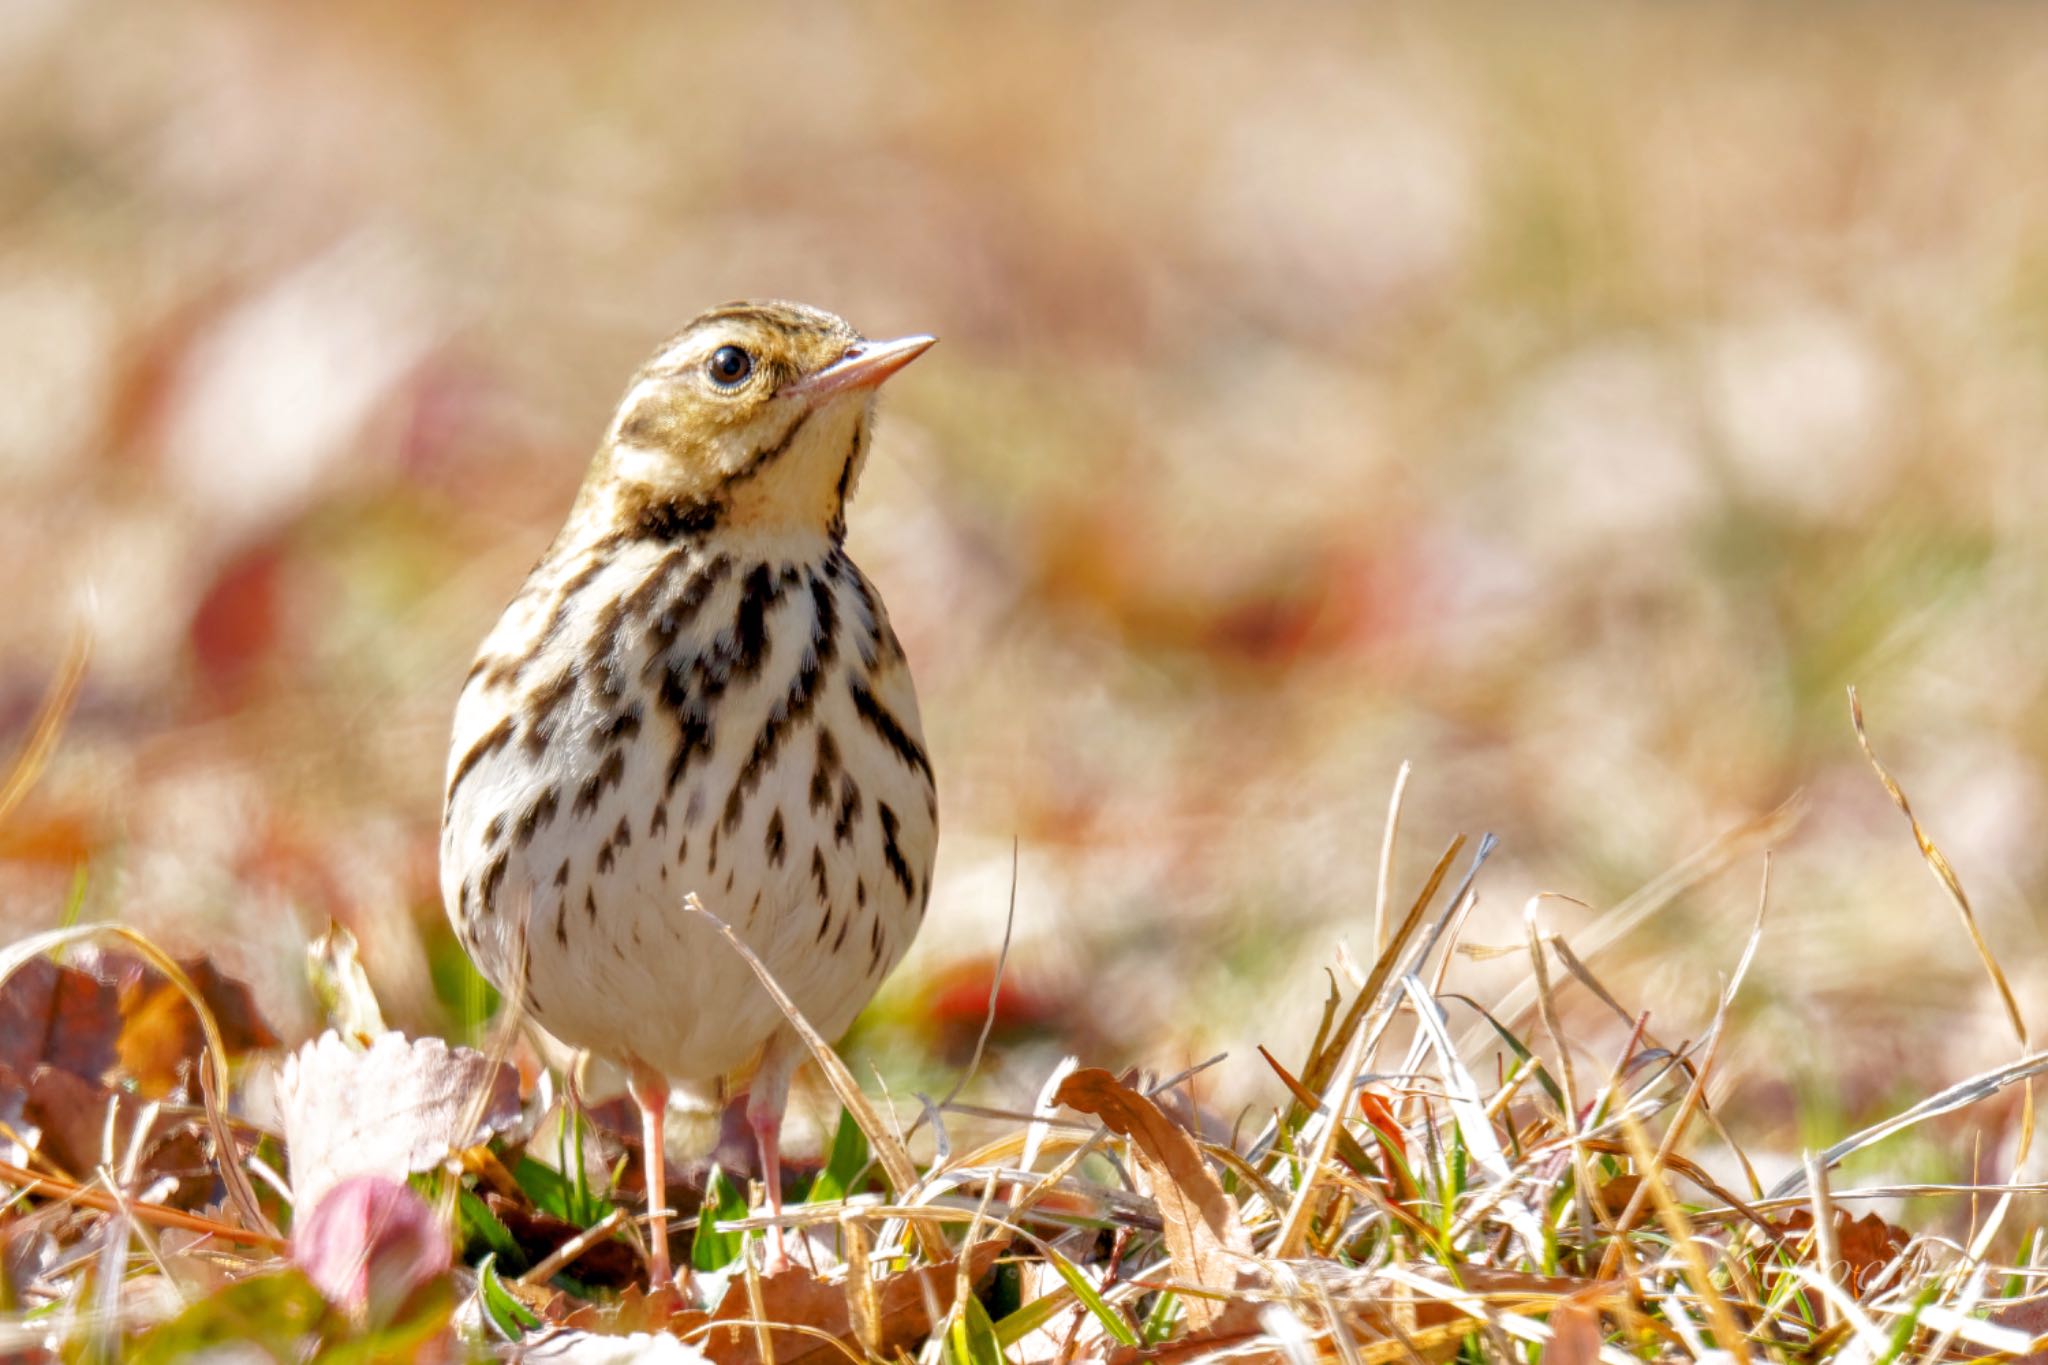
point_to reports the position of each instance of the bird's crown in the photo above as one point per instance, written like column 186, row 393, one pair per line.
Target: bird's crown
column 755, row 415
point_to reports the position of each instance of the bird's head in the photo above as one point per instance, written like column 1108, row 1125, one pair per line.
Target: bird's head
column 755, row 416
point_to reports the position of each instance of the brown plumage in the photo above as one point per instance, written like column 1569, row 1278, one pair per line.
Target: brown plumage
column 696, row 690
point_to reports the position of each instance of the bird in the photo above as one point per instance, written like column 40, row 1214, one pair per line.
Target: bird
column 696, row 690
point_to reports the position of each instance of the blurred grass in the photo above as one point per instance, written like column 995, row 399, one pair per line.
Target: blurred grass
column 1571, row 403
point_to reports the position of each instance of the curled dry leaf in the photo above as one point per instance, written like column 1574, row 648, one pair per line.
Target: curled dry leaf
column 906, row 1302
column 341, row 984
column 393, row 1109
column 1204, row 1236
column 161, row 1037
column 114, row 1011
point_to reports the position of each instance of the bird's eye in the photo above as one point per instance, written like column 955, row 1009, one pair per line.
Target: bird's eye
column 729, row 365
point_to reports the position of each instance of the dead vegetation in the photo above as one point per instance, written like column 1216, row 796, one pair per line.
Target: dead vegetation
column 1408, row 1195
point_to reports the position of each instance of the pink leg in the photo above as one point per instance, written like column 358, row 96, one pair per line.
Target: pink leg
column 650, row 1092
column 767, row 1097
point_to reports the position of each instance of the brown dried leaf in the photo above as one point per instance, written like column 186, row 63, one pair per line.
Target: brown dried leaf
column 242, row 1027
column 1235, row 1326
column 161, row 1037
column 71, row 1113
column 115, row 1010
column 1864, row 1247
column 605, row 1264
column 2029, row 1316
column 636, row 1310
column 391, row 1110
column 58, row 1016
column 1204, row 1236
column 1574, row 1334
column 798, row 1297
column 1615, row 1194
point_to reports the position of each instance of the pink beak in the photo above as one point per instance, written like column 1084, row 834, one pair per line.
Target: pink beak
column 864, row 366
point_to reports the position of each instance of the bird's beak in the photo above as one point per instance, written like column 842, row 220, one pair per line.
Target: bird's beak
column 863, row 366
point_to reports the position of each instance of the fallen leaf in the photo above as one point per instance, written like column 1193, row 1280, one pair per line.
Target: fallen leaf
column 398, row 1107
column 58, row 1016
column 113, row 1011
column 1616, row 1193
column 1238, row 1322
column 1864, row 1247
column 796, row 1296
column 1204, row 1237
column 55, row 839
column 1386, row 1319
column 161, row 1038
column 2029, row 1316
column 1574, row 1334
column 604, row 1264
column 638, row 1310
column 71, row 1113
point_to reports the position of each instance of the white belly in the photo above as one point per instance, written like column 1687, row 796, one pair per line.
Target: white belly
column 747, row 733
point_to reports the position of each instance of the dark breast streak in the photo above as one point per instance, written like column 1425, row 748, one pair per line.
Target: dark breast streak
column 647, row 655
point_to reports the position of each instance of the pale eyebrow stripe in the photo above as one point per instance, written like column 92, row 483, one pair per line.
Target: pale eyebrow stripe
column 671, row 355
column 641, row 389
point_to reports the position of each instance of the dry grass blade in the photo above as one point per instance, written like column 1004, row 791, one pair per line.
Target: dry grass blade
column 1939, row 865
column 1383, row 888
column 1458, row 902
column 882, row 1140
column 1336, row 1100
column 568, row 1251
column 214, row 1061
column 1316, row 1075
column 1695, row 1093
column 240, row 1192
column 1461, row 1091
column 1968, row 1091
column 48, row 725
column 863, row 1304
column 1567, row 1073
column 756, row 1306
column 1827, row 1253
column 995, row 991
column 1348, row 1147
column 1726, row 1333
column 28, row 1182
column 1764, row 831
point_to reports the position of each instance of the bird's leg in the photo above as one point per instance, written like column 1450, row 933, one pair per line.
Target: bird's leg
column 650, row 1092
column 767, row 1097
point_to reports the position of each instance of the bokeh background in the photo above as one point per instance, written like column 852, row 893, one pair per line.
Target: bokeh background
column 1570, row 401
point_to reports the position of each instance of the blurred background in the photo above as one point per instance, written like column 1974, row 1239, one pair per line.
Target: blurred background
column 1572, row 403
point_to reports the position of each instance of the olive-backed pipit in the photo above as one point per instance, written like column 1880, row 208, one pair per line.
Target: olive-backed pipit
column 698, row 691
